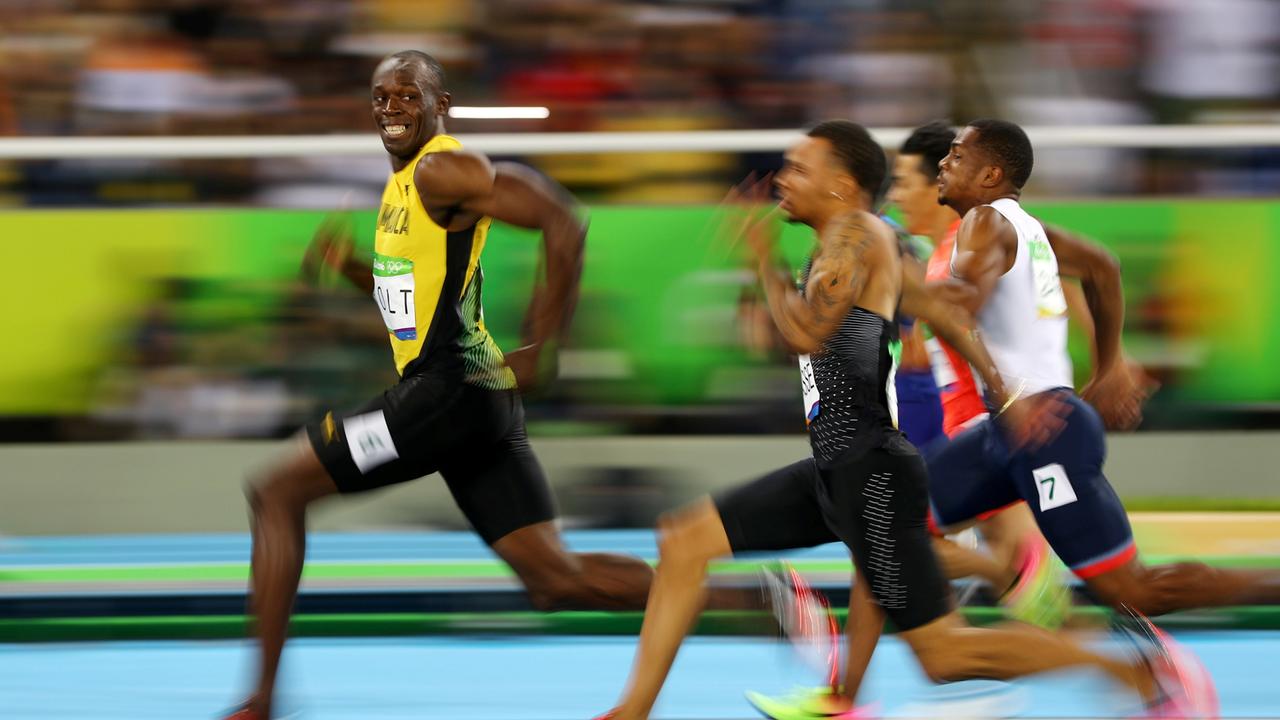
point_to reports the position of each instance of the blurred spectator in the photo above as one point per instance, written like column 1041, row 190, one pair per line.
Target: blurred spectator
column 220, row 355
column 301, row 66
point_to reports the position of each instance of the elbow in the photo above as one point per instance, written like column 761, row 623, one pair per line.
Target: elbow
column 573, row 227
column 950, row 319
column 1106, row 266
column 565, row 236
column 803, row 344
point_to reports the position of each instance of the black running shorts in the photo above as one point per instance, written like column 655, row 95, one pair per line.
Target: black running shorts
column 475, row 438
column 876, row 505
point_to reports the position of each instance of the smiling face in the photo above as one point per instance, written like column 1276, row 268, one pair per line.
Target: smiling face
column 408, row 105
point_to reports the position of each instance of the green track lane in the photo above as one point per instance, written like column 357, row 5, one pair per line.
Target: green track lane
column 215, row 627
column 486, row 570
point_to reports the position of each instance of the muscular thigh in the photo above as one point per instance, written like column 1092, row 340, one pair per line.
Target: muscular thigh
column 1075, row 506
column 778, row 511
column 499, row 484
column 878, row 506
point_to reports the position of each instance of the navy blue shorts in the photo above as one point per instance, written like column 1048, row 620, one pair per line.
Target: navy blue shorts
column 919, row 407
column 1074, row 505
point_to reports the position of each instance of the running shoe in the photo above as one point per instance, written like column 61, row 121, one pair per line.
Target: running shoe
column 806, row 620
column 1186, row 687
column 1039, row 596
column 808, row 704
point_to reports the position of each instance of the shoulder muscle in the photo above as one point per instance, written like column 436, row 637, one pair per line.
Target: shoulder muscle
column 454, row 176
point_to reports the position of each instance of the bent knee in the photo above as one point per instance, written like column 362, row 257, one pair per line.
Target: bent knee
column 1171, row 587
column 274, row 491
column 693, row 536
column 678, row 546
column 945, row 666
column 1147, row 598
column 564, row 592
column 951, row 653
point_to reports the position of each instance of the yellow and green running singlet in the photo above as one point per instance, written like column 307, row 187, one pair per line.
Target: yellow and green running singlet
column 427, row 282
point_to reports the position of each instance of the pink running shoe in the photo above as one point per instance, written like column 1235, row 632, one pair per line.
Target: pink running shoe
column 1186, row 687
column 806, row 620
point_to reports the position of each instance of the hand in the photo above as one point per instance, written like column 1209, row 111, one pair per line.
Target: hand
column 534, row 366
column 1119, row 393
column 749, row 213
column 330, row 247
column 762, row 237
column 1032, row 422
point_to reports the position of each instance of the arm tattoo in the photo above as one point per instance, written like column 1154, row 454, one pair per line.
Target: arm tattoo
column 856, row 237
column 837, row 279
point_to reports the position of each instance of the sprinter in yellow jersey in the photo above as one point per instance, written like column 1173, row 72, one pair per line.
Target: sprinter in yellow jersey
column 456, row 409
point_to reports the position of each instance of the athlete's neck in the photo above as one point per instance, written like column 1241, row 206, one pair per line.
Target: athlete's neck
column 963, row 207
column 836, row 212
column 940, row 223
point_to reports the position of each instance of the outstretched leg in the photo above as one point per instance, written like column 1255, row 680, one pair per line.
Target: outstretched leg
column 948, row 651
column 278, row 502
column 557, row 579
column 1160, row 589
column 689, row 541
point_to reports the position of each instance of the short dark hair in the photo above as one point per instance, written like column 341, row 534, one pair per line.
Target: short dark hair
column 931, row 142
column 858, row 153
column 423, row 60
column 1008, row 146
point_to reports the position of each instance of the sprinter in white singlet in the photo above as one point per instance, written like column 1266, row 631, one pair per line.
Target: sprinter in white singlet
column 1007, row 270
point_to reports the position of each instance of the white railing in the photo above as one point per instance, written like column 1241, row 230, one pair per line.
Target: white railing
column 1048, row 136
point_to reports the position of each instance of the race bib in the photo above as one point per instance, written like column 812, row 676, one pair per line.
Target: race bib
column 809, row 386
column 891, row 383
column 944, row 375
column 369, row 440
column 393, row 290
column 1050, row 302
column 1054, row 486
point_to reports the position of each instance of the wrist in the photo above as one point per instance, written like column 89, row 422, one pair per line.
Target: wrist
column 1109, row 357
column 1009, row 400
column 537, row 344
column 996, row 389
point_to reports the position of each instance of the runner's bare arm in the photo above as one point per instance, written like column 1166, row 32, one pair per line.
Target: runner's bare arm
column 333, row 245
column 1117, row 387
column 836, row 281
column 982, row 256
column 1099, row 274
column 458, row 188
column 951, row 323
column 1033, row 419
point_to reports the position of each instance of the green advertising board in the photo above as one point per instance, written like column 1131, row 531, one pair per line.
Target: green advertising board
column 660, row 291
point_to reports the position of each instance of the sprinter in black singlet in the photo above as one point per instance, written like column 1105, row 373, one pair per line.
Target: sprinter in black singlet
column 864, row 484
column 456, row 409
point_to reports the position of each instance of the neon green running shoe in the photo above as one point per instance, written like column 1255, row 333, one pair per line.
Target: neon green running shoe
column 1040, row 596
column 809, row 704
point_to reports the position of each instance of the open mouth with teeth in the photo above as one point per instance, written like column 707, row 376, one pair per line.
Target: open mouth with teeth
column 395, row 131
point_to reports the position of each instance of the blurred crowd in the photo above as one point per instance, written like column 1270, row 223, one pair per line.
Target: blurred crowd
column 182, row 67
column 209, row 355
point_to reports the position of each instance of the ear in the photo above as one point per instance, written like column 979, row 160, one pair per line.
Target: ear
column 846, row 187
column 444, row 101
column 992, row 176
